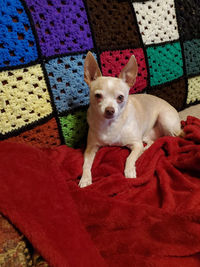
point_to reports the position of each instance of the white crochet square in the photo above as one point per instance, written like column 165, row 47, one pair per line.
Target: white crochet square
column 193, row 90
column 157, row 21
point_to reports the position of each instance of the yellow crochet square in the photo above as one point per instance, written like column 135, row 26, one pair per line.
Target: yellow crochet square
column 193, row 90
column 24, row 98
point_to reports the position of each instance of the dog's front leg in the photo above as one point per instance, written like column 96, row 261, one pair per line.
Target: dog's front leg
column 89, row 156
column 136, row 150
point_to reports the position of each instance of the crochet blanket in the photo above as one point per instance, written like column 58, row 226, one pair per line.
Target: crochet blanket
column 43, row 102
column 43, row 43
column 152, row 220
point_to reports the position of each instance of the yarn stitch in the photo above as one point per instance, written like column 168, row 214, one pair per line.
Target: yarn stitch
column 193, row 89
column 157, row 22
column 45, row 135
column 17, row 43
column 113, row 62
column 192, row 56
column 62, row 26
column 165, row 62
column 66, row 77
column 24, row 98
column 74, row 128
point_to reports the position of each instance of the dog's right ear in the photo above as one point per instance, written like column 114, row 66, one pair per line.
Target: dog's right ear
column 129, row 72
column 91, row 69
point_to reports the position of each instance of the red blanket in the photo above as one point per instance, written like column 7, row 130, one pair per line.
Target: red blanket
column 153, row 220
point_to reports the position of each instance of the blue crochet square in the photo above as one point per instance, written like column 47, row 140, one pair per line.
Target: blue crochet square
column 66, row 75
column 17, row 43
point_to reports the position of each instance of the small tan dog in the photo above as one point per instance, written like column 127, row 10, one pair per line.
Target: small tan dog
column 116, row 118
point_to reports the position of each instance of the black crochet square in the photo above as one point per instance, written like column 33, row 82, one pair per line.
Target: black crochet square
column 188, row 16
column 174, row 92
column 113, row 24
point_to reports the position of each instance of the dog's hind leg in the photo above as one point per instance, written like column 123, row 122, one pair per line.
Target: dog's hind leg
column 169, row 123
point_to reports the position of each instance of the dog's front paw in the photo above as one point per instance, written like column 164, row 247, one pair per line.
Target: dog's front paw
column 85, row 182
column 130, row 172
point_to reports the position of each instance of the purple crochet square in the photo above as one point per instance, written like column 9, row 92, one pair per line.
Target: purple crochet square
column 62, row 26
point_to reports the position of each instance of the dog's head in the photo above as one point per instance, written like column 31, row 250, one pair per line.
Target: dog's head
column 109, row 95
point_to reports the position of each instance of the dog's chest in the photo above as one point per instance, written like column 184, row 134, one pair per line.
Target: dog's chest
column 117, row 135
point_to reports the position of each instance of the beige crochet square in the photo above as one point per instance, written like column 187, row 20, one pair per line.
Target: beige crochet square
column 193, row 90
column 157, row 21
column 24, row 98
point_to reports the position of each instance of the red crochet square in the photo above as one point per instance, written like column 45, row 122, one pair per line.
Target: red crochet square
column 112, row 63
column 44, row 136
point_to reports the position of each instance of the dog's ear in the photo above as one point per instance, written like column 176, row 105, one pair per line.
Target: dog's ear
column 129, row 72
column 91, row 69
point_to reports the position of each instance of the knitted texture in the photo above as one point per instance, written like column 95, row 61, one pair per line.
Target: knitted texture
column 66, row 79
column 157, row 21
column 193, row 89
column 17, row 43
column 24, row 98
column 74, row 127
column 192, row 56
column 175, row 92
column 43, row 44
column 45, row 135
column 188, row 13
column 62, row 26
column 114, row 24
column 165, row 62
column 113, row 62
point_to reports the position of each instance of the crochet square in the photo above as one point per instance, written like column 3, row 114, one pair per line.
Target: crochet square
column 193, row 90
column 17, row 43
column 74, row 128
column 113, row 24
column 157, row 21
column 44, row 136
column 62, row 26
column 112, row 63
column 192, row 56
column 174, row 92
column 188, row 17
column 165, row 63
column 24, row 98
column 66, row 77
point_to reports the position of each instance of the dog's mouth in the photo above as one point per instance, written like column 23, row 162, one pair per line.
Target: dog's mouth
column 108, row 116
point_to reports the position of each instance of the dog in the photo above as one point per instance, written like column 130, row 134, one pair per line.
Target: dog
column 116, row 118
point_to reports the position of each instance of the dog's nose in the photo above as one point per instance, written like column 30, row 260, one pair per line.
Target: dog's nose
column 109, row 111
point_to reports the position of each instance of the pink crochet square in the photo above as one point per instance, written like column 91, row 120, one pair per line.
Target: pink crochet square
column 112, row 63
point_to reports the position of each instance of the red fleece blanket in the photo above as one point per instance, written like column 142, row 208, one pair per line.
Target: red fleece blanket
column 153, row 220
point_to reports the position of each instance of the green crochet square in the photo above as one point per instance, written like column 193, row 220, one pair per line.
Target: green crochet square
column 74, row 127
column 192, row 56
column 165, row 63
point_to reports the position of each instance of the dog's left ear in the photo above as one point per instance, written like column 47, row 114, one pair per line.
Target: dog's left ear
column 129, row 72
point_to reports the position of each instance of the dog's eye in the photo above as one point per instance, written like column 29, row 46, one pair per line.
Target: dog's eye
column 120, row 98
column 98, row 96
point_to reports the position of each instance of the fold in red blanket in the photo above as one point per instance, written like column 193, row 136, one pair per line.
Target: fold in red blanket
column 153, row 220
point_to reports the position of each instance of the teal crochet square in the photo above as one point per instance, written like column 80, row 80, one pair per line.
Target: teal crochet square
column 192, row 56
column 165, row 63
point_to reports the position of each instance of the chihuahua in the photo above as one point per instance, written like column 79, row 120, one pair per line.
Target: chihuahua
column 116, row 118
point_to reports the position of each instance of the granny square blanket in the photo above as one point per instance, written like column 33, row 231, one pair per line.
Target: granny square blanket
column 43, row 44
